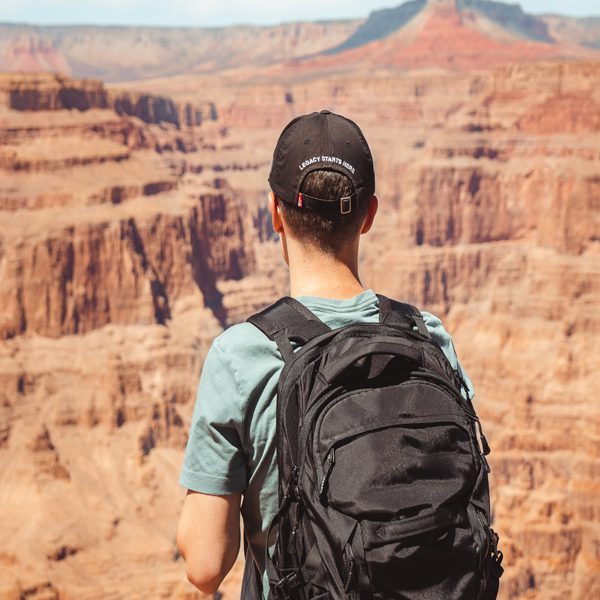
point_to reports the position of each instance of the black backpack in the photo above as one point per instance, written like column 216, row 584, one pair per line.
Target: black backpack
column 383, row 479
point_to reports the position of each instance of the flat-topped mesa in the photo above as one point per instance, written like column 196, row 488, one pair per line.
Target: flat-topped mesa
column 159, row 109
column 51, row 91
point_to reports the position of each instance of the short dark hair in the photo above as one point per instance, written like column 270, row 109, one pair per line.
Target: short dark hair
column 326, row 234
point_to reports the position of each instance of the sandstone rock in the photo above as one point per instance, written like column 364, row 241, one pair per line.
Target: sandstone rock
column 45, row 91
column 452, row 34
column 46, row 456
column 125, row 53
column 489, row 219
column 111, row 295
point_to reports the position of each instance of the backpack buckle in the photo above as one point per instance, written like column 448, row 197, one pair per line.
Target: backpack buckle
column 284, row 587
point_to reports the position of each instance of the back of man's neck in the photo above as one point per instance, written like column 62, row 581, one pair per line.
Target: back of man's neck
column 335, row 281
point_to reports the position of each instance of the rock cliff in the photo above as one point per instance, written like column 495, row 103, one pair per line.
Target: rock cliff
column 488, row 188
column 123, row 252
column 125, row 53
column 452, row 34
column 118, row 268
column 47, row 91
column 497, row 231
column 126, row 270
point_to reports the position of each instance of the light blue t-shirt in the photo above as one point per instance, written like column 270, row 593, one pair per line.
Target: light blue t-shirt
column 231, row 446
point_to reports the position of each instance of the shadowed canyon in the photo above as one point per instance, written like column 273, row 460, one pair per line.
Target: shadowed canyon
column 133, row 229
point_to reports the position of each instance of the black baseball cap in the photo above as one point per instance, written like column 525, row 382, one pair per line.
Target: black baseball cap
column 322, row 141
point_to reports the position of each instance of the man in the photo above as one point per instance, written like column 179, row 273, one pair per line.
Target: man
column 322, row 200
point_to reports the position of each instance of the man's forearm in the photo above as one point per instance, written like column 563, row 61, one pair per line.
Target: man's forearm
column 208, row 538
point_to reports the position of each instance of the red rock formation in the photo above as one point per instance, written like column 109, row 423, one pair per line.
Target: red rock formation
column 46, row 458
column 124, row 53
column 443, row 36
column 454, row 34
column 30, row 52
column 565, row 113
column 488, row 218
column 119, row 264
column 114, row 272
column 451, row 39
column 45, row 91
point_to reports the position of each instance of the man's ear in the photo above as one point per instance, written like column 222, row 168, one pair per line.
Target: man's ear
column 275, row 213
column 371, row 212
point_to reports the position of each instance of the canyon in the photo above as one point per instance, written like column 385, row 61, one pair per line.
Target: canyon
column 133, row 229
column 126, row 53
column 123, row 252
column 481, row 33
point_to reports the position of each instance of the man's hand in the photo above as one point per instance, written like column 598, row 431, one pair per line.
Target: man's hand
column 208, row 537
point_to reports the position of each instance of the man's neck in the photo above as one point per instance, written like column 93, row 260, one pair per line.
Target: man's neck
column 322, row 275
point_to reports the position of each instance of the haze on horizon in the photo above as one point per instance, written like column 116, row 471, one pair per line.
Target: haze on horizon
column 199, row 14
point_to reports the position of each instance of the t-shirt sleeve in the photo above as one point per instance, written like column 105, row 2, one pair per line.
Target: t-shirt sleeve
column 442, row 337
column 214, row 461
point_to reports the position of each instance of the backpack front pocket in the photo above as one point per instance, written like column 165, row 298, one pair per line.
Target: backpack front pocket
column 400, row 460
column 430, row 555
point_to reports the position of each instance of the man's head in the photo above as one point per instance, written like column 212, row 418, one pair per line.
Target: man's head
column 323, row 183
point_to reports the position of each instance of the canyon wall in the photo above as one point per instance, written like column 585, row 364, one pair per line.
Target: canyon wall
column 47, row 91
column 458, row 34
column 498, row 231
column 123, row 252
column 126, row 53
column 126, row 245
column 489, row 217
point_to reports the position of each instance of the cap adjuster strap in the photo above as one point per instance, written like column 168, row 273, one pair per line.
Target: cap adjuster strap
column 345, row 205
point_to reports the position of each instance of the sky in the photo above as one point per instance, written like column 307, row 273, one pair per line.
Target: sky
column 208, row 13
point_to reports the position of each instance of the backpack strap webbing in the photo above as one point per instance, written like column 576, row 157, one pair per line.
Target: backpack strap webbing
column 402, row 315
column 286, row 321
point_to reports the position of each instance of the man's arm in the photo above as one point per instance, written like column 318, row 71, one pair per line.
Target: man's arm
column 208, row 537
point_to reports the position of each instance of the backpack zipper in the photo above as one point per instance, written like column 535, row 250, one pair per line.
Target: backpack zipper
column 350, row 572
column 330, row 464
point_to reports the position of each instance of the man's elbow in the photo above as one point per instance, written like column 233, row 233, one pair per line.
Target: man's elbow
column 206, row 580
column 208, row 549
column 202, row 570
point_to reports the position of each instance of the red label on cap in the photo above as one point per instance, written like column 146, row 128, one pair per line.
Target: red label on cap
column 300, row 200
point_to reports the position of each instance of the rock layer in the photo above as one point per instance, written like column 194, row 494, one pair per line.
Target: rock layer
column 453, row 34
column 120, row 259
column 124, row 53
column 46, row 91
column 489, row 219
column 489, row 202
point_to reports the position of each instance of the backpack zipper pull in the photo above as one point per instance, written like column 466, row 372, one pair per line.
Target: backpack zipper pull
column 482, row 443
column 330, row 463
column 294, row 531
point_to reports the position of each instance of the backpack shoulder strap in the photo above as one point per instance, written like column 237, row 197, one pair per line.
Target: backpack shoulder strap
column 288, row 320
column 402, row 315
